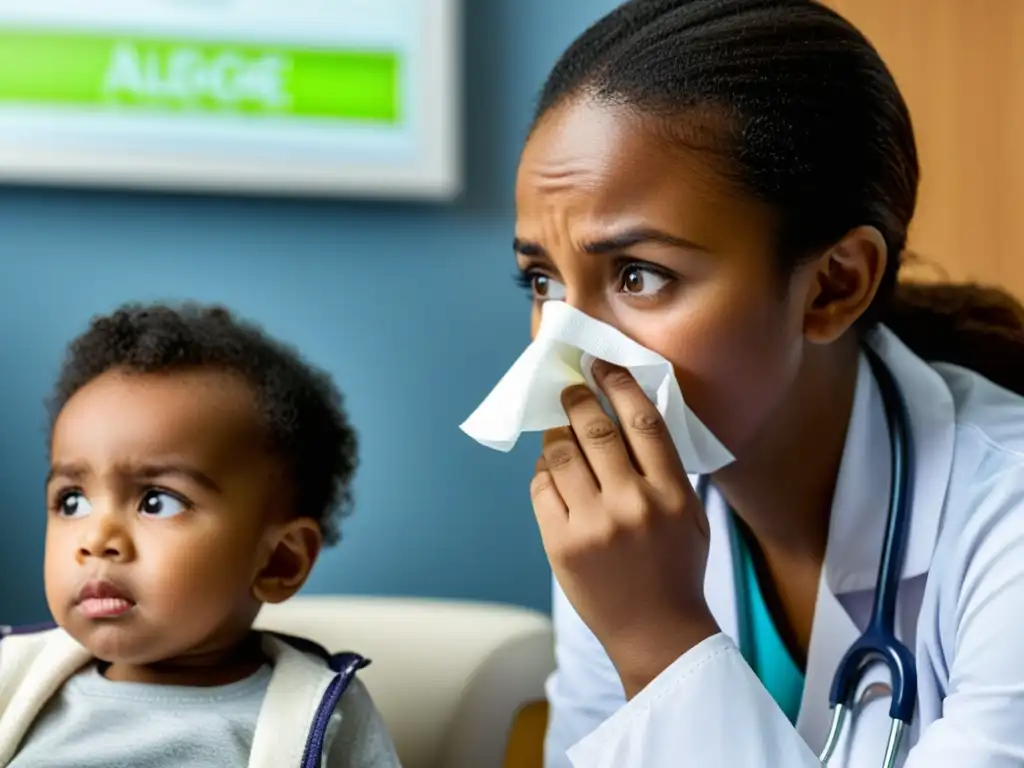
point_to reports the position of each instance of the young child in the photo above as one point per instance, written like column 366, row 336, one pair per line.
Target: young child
column 197, row 467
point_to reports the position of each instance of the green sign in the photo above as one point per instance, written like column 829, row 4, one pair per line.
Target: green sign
column 100, row 71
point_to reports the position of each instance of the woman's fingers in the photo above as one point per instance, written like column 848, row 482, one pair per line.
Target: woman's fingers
column 569, row 469
column 548, row 507
column 645, row 431
column 619, row 530
column 598, row 437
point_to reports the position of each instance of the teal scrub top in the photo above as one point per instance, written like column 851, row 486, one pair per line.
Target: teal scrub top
column 760, row 642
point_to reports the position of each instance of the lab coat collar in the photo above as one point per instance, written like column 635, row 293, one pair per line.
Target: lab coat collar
column 719, row 583
column 861, row 500
column 859, row 510
column 860, row 503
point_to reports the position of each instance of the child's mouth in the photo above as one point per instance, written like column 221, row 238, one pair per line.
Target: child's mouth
column 105, row 607
column 103, row 599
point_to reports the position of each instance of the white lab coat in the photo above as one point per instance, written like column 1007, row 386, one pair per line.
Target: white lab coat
column 960, row 609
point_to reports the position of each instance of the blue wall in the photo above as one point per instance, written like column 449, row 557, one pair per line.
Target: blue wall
column 409, row 306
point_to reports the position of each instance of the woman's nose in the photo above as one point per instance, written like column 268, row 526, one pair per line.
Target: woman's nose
column 590, row 303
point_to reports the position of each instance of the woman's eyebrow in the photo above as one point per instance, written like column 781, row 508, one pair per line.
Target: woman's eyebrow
column 527, row 248
column 638, row 236
column 617, row 242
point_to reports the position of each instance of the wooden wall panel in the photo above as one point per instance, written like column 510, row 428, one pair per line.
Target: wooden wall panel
column 960, row 66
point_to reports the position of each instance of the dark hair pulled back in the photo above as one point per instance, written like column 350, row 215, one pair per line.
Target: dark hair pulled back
column 808, row 119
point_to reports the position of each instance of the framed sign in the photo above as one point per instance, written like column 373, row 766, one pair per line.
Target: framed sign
column 322, row 97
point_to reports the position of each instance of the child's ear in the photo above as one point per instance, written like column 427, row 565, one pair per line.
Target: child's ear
column 294, row 547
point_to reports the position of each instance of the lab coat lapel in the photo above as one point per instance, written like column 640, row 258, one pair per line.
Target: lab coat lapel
column 932, row 417
column 860, row 505
column 862, row 741
column 832, row 634
column 833, row 630
column 861, row 501
column 857, row 506
column 719, row 581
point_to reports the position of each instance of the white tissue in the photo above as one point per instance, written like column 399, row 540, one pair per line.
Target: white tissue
column 528, row 397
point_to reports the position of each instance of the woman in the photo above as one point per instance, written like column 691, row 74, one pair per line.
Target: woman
column 730, row 182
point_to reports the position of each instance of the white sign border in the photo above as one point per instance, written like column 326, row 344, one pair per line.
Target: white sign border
column 435, row 173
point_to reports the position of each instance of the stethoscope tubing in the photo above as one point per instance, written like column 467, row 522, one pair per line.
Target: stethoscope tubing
column 878, row 643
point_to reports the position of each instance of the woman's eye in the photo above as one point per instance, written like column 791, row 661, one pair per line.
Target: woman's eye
column 161, row 504
column 73, row 505
column 545, row 288
column 643, row 281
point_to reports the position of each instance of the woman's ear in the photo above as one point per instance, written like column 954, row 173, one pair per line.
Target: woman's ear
column 294, row 547
column 843, row 284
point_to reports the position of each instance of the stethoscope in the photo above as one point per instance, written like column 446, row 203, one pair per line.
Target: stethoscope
column 879, row 642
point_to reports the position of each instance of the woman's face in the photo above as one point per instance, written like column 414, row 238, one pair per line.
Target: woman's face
column 618, row 221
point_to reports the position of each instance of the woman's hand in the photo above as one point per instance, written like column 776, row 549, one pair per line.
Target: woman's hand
column 626, row 535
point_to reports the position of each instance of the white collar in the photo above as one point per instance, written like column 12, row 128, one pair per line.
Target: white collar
column 861, row 501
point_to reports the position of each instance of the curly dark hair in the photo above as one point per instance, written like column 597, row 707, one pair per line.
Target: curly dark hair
column 301, row 407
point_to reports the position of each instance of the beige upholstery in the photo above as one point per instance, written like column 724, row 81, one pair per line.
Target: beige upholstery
column 449, row 677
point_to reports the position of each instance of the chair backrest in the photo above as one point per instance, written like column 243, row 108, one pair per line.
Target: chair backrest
column 449, row 677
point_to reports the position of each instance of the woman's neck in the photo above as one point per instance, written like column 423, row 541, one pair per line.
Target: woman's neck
column 782, row 488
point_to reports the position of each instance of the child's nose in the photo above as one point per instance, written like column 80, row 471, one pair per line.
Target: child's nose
column 107, row 538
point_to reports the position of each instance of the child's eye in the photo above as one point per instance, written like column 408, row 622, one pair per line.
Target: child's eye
column 161, row 504
column 73, row 505
column 643, row 281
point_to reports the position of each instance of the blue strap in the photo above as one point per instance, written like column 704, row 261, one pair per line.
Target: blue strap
column 346, row 665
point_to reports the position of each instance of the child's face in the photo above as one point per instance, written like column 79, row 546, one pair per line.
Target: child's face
column 165, row 518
